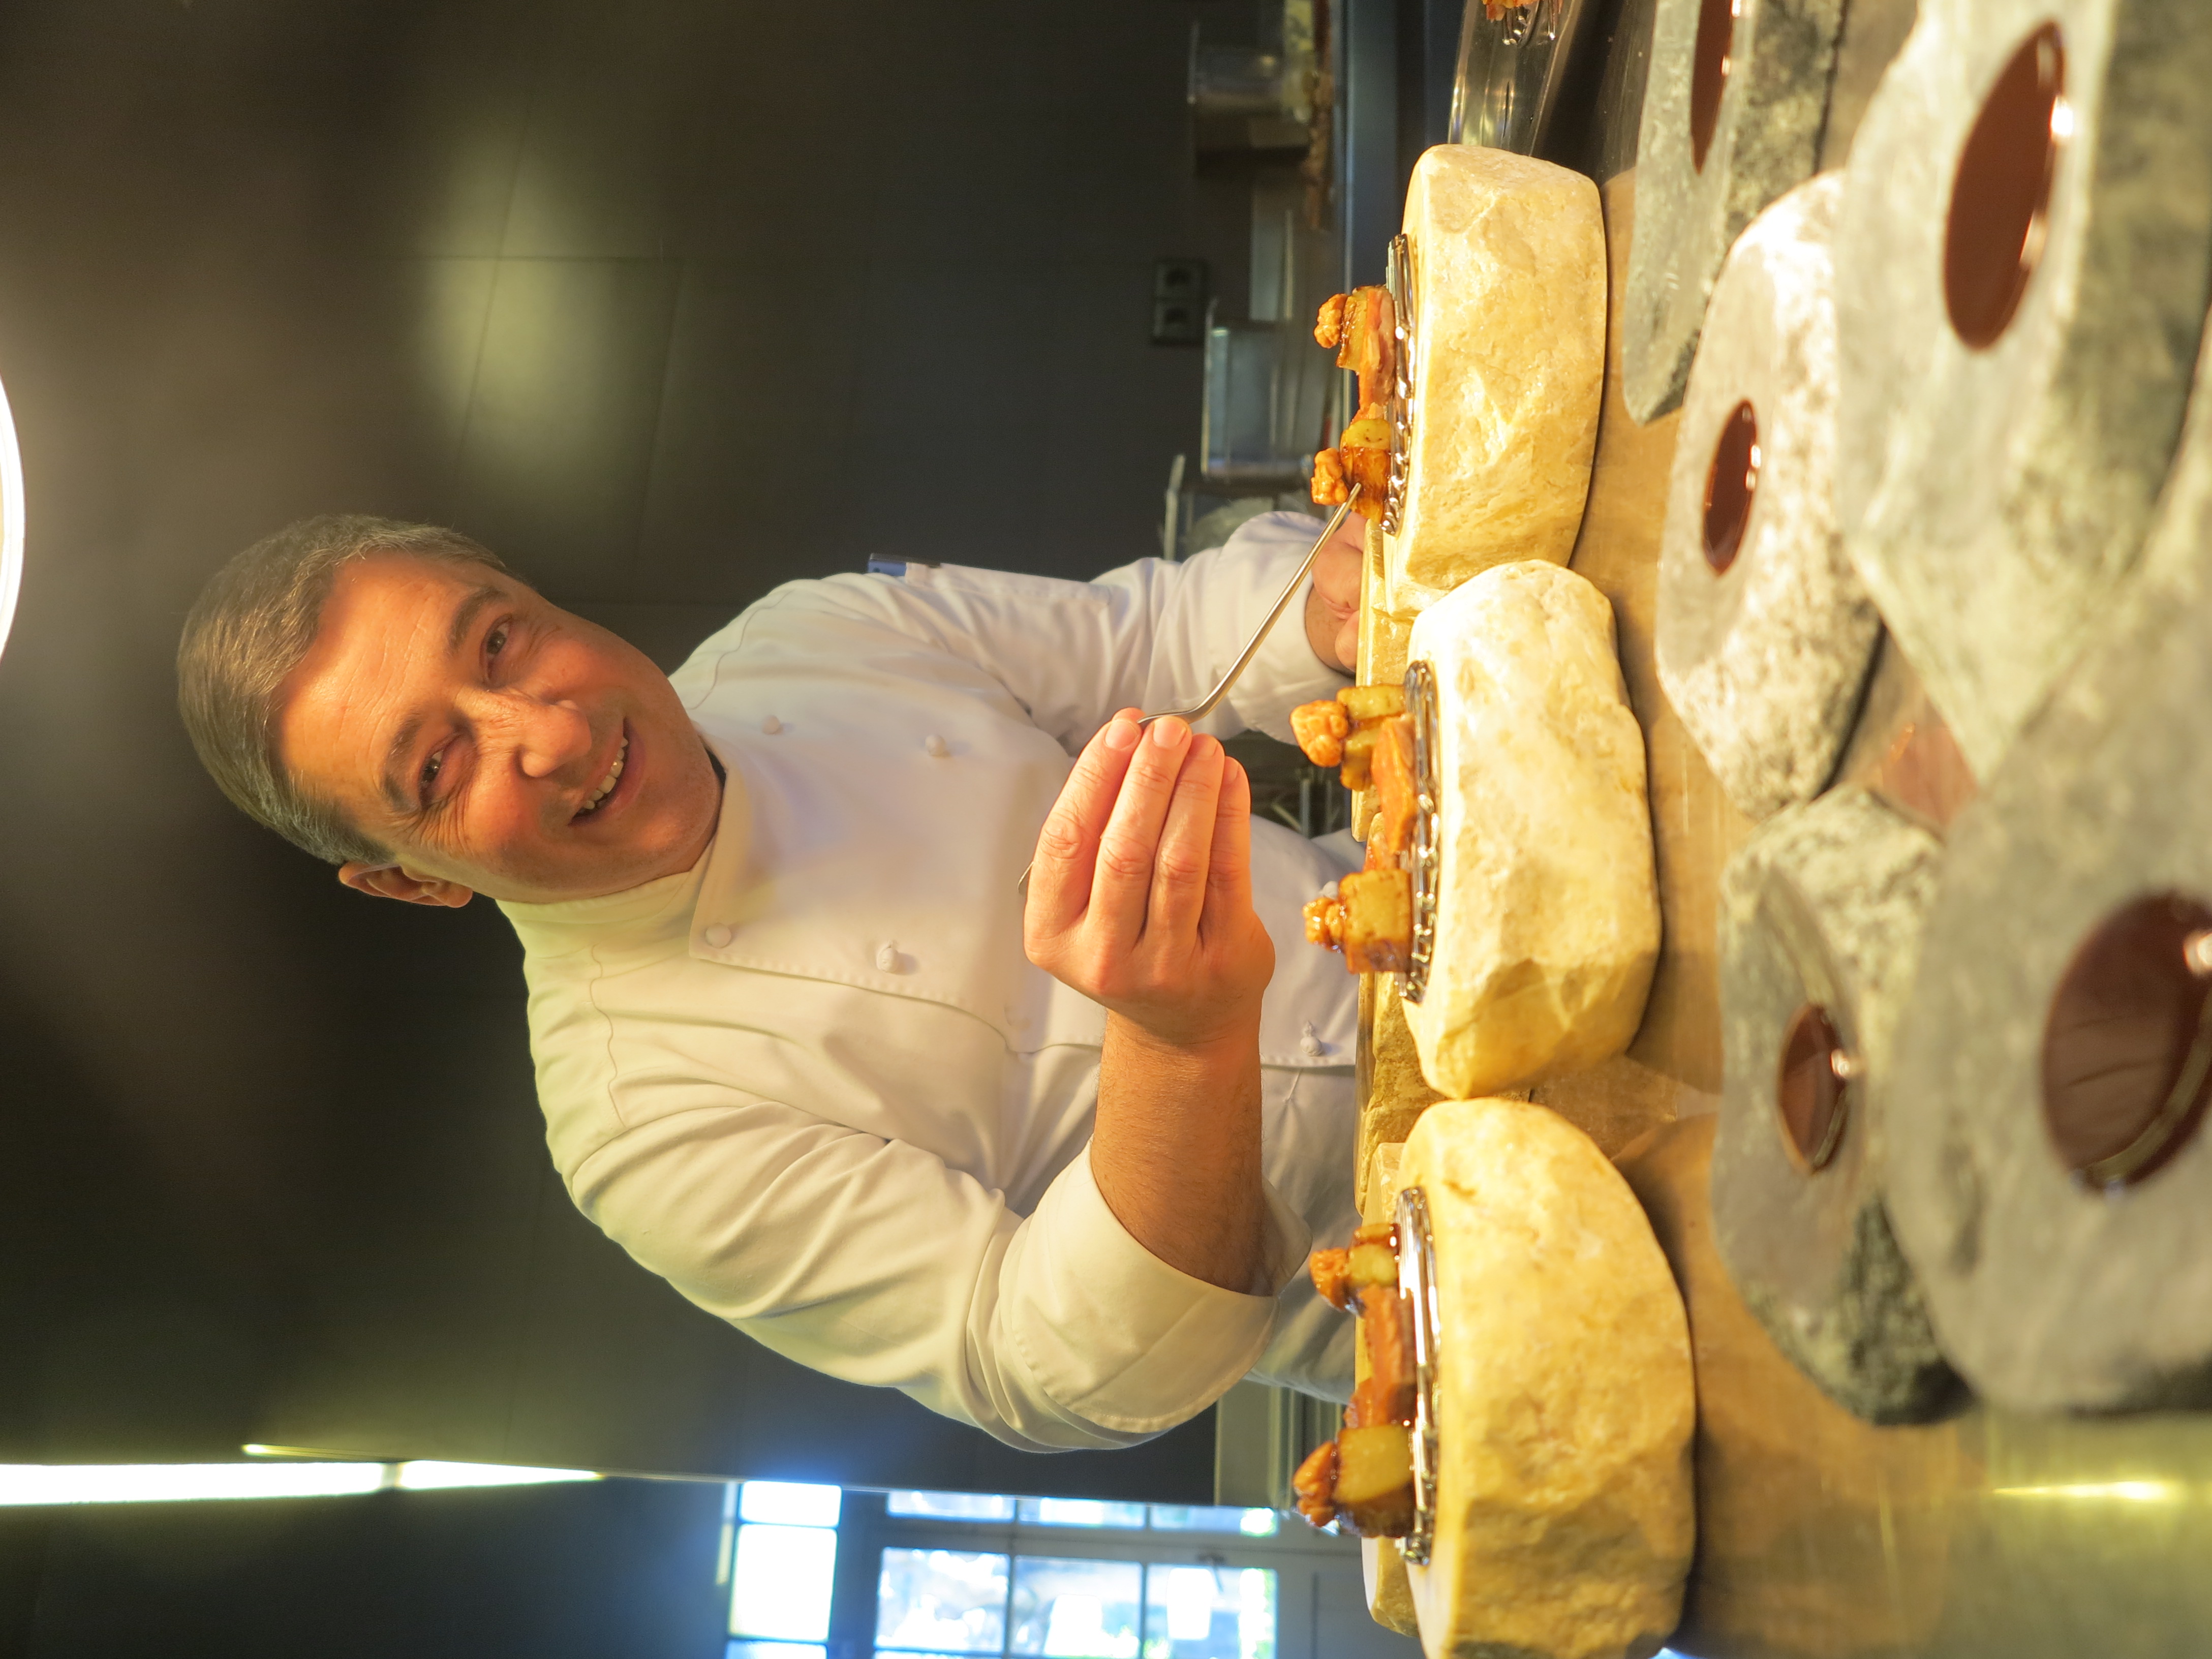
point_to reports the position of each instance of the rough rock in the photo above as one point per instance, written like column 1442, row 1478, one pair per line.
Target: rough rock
column 1393, row 1093
column 1547, row 908
column 1507, row 367
column 1994, row 501
column 2047, row 1290
column 1822, row 907
column 1565, row 1401
column 1766, row 660
column 1766, row 139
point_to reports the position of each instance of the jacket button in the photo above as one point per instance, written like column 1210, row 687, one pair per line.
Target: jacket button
column 718, row 936
column 771, row 726
column 1311, row 1044
column 937, row 746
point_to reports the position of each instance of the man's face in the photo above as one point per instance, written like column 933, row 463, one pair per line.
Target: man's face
column 496, row 743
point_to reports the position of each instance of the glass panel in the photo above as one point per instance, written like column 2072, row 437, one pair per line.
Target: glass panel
column 781, row 1582
column 1210, row 1613
column 1183, row 1518
column 791, row 1505
column 952, row 1505
column 776, row 1651
column 941, row 1602
column 1076, row 1609
column 1079, row 1512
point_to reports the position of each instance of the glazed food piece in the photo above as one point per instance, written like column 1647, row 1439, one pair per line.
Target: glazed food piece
column 1397, row 789
column 1341, row 731
column 1362, row 457
column 1362, row 326
column 1320, row 729
column 1364, row 731
column 1370, row 920
column 1364, row 1477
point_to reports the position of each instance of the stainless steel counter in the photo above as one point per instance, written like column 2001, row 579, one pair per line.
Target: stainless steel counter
column 1988, row 1536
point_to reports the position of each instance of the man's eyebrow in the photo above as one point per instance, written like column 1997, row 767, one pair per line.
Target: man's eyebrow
column 466, row 613
column 395, row 794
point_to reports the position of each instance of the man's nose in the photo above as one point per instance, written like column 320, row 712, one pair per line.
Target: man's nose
column 547, row 734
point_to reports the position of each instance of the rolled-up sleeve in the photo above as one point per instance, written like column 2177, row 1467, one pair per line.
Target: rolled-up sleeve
column 873, row 1261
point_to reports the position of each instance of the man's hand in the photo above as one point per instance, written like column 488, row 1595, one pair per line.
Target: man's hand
column 1333, row 601
column 1141, row 897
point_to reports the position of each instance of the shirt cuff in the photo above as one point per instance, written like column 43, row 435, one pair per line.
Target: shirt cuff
column 1114, row 1336
column 1285, row 672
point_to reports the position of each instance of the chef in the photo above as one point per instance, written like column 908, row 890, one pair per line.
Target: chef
column 1049, row 1167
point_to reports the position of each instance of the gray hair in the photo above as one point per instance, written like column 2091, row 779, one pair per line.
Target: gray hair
column 253, row 623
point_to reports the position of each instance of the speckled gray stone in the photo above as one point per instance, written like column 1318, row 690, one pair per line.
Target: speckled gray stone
column 2048, row 1294
column 1994, row 501
column 1823, row 905
column 1766, row 139
column 1764, row 663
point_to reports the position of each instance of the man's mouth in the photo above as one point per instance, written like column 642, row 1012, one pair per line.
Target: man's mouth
column 606, row 784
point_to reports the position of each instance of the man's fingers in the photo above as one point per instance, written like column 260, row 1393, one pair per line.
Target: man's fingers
column 1185, row 848
column 1121, row 887
column 1337, row 569
column 1067, row 846
column 1229, row 863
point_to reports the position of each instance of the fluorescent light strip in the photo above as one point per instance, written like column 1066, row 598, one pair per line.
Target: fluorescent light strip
column 25, row 1484
column 428, row 1476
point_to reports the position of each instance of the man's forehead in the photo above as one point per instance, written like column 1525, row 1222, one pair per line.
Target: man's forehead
column 385, row 637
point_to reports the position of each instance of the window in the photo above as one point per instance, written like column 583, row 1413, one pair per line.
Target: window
column 1210, row 1613
column 951, row 1505
column 783, row 1564
column 1250, row 1523
column 941, row 1602
column 1079, row 1512
column 935, row 1575
column 1077, row 1607
column 1082, row 1512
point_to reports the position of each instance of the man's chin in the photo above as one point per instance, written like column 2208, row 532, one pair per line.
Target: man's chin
column 595, row 873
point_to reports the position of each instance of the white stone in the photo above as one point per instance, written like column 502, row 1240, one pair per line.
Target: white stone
column 1995, row 499
column 1508, row 367
column 1566, row 1399
column 1766, row 138
column 1548, row 907
column 1765, row 661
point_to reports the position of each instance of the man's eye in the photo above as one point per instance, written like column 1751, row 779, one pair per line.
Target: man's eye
column 431, row 768
column 495, row 641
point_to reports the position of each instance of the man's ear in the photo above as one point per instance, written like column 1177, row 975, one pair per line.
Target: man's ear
column 390, row 881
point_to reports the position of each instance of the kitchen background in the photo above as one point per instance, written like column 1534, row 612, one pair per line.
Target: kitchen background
column 669, row 302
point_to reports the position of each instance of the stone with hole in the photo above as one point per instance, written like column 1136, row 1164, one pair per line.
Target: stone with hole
column 1764, row 634
column 2022, row 264
column 1820, row 919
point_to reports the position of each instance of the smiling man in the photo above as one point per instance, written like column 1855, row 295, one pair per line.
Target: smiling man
column 802, row 1048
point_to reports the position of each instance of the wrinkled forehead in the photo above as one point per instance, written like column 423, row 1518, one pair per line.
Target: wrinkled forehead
column 391, row 637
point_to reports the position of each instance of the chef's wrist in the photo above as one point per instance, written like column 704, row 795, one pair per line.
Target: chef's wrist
column 1201, row 1045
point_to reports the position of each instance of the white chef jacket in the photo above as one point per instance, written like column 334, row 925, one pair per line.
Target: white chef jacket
column 815, row 1082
